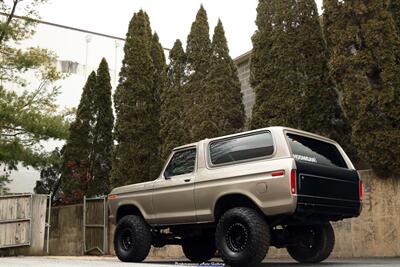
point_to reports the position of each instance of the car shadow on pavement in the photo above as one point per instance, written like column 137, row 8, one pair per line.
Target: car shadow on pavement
column 264, row 264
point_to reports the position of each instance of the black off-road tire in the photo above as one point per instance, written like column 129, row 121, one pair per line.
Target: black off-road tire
column 132, row 239
column 242, row 237
column 199, row 249
column 320, row 247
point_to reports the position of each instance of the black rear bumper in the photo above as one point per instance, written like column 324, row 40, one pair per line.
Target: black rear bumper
column 332, row 209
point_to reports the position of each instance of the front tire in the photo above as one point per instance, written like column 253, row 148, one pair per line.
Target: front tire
column 132, row 239
column 200, row 249
column 242, row 237
column 315, row 244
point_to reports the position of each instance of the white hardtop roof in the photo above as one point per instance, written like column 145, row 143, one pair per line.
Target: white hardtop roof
column 272, row 128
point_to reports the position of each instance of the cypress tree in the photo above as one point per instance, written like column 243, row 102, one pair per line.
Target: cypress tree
column 365, row 62
column 76, row 167
column 222, row 93
column 198, row 53
column 289, row 71
column 172, row 131
column 101, row 153
column 160, row 67
column 198, row 49
column 160, row 80
column 136, row 108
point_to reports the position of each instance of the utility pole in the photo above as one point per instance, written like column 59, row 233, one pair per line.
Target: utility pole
column 117, row 44
column 88, row 39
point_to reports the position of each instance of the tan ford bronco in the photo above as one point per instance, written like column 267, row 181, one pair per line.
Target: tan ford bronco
column 238, row 195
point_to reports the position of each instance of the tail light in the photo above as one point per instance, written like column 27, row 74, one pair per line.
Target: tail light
column 278, row 173
column 361, row 190
column 293, row 181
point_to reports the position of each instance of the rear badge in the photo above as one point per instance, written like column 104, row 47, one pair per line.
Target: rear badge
column 305, row 158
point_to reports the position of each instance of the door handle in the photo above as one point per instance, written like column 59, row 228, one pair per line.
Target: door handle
column 187, row 180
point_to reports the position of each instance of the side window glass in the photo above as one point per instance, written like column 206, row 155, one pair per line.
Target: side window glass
column 240, row 148
column 182, row 162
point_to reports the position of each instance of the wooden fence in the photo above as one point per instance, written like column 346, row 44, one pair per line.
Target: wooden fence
column 22, row 224
column 15, row 220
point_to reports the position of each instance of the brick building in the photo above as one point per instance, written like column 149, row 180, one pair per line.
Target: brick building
column 243, row 66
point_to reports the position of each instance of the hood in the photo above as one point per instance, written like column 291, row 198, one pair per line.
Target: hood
column 131, row 188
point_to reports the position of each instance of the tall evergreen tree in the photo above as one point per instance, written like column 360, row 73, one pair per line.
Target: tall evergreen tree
column 198, row 53
column 289, row 71
column 224, row 106
column 365, row 62
column 76, row 167
column 172, row 131
column 136, row 105
column 159, row 86
column 198, row 49
column 102, row 147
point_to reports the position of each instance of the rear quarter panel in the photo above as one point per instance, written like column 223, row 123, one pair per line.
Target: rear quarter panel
column 253, row 179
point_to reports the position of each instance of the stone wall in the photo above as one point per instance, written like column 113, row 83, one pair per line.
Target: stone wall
column 375, row 233
column 66, row 230
column 243, row 66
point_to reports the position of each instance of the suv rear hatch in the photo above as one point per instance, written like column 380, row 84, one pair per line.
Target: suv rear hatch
column 325, row 184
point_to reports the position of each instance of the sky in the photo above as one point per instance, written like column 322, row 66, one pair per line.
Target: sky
column 171, row 19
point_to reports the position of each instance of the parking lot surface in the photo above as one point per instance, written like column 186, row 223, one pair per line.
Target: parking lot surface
column 114, row 262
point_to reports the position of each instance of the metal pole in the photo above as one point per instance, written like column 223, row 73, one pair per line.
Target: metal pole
column 84, row 226
column 116, row 63
column 88, row 38
column 105, row 229
column 48, row 223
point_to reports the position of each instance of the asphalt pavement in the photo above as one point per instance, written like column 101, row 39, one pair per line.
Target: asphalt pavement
column 113, row 262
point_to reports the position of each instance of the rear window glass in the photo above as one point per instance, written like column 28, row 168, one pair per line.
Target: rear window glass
column 241, row 148
column 315, row 151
